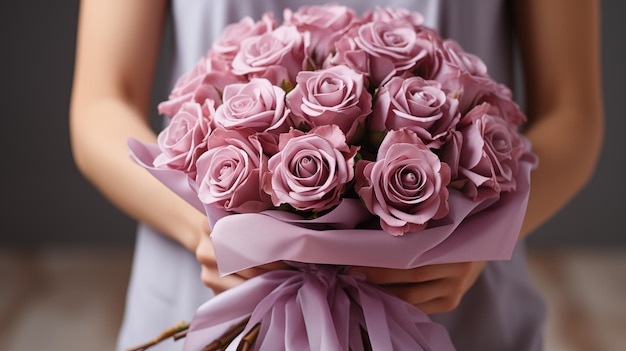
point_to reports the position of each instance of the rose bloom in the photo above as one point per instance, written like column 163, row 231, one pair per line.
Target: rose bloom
column 392, row 15
column 335, row 95
column 311, row 170
column 416, row 104
column 324, row 25
column 381, row 50
column 473, row 90
column 484, row 153
column 467, row 62
column 406, row 186
column 205, row 81
column 499, row 98
column 230, row 172
column 256, row 105
column 183, row 140
column 277, row 55
column 228, row 44
column 433, row 62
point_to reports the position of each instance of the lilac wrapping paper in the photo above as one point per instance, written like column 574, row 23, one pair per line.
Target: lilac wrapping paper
column 320, row 307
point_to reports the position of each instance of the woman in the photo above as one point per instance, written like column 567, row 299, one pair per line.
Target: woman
column 118, row 44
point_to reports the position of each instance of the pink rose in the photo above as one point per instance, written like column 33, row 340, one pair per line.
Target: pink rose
column 324, row 25
column 435, row 58
column 269, row 142
column 230, row 172
column 416, row 104
column 467, row 62
column 406, row 186
column 393, row 15
column 257, row 105
column 484, row 154
column 228, row 44
column 311, row 170
column 500, row 98
column 204, row 81
column 381, row 50
column 183, row 140
column 277, row 56
column 334, row 95
column 475, row 90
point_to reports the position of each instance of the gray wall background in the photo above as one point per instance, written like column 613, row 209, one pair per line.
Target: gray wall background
column 45, row 201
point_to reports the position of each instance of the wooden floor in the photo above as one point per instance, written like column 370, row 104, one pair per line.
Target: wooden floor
column 70, row 299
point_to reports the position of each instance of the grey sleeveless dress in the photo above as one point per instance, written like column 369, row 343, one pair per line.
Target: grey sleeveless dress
column 502, row 312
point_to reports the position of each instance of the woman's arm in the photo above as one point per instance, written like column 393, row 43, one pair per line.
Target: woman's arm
column 117, row 51
column 561, row 56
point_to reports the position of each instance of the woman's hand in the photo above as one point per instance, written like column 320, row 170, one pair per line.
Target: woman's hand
column 432, row 289
column 210, row 276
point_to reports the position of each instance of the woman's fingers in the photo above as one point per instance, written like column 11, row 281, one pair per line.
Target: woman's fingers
column 210, row 275
column 384, row 276
column 434, row 296
column 204, row 252
column 433, row 289
column 211, row 278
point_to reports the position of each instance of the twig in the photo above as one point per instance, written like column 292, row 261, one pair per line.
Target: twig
column 223, row 341
column 180, row 335
column 247, row 342
column 178, row 328
column 179, row 331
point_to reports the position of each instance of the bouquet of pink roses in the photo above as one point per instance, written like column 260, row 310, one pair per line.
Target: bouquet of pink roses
column 334, row 140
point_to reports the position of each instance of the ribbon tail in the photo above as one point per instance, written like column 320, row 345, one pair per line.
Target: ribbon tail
column 303, row 315
column 222, row 312
column 393, row 324
column 319, row 321
column 313, row 308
